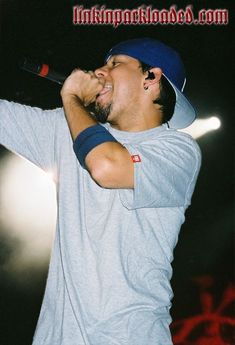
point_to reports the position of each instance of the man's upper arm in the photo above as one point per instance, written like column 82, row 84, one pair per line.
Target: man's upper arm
column 111, row 166
column 28, row 131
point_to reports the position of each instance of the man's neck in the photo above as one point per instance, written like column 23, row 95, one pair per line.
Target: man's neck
column 138, row 123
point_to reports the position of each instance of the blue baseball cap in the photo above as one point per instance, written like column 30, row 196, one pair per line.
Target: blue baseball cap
column 157, row 54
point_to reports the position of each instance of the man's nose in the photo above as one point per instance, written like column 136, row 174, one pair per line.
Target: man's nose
column 101, row 72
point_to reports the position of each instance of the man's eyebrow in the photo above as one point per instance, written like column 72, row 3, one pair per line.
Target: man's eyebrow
column 111, row 59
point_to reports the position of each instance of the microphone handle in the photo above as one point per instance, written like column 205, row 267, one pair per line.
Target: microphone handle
column 42, row 70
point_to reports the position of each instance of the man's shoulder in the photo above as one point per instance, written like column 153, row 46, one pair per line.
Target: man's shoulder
column 171, row 140
column 173, row 135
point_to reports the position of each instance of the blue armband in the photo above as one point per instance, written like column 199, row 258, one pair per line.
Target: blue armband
column 88, row 139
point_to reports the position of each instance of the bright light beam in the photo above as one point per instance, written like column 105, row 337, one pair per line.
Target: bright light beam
column 202, row 126
column 28, row 212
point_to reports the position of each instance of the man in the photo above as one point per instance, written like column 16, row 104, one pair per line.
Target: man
column 121, row 203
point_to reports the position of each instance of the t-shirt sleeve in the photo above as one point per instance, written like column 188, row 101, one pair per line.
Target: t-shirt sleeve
column 165, row 172
column 29, row 131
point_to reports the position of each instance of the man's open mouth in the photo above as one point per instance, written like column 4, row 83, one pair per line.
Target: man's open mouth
column 107, row 87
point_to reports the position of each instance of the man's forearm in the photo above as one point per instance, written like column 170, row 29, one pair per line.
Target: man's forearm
column 77, row 116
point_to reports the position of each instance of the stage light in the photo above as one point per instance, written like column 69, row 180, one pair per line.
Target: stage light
column 214, row 123
column 28, row 212
column 202, row 126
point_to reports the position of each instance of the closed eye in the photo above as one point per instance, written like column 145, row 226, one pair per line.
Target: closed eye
column 115, row 63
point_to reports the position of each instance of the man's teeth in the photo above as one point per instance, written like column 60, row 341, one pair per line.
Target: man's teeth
column 105, row 88
column 108, row 86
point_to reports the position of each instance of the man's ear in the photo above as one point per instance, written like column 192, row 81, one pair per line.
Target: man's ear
column 152, row 76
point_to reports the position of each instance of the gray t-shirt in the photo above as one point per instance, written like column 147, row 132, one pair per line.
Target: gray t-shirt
column 110, row 270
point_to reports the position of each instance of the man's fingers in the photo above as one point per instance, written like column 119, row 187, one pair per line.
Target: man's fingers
column 84, row 84
column 76, row 70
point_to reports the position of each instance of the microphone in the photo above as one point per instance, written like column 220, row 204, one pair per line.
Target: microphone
column 42, row 70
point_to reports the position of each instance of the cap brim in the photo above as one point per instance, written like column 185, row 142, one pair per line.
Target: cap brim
column 184, row 113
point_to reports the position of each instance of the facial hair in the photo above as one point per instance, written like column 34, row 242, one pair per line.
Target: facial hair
column 100, row 113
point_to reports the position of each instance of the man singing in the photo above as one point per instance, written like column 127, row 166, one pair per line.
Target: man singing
column 121, row 196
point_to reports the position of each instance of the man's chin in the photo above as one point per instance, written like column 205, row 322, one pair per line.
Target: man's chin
column 101, row 113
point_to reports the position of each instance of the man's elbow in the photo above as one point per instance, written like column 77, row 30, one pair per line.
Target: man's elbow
column 102, row 172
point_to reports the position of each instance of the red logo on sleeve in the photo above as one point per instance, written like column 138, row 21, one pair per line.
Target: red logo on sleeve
column 136, row 158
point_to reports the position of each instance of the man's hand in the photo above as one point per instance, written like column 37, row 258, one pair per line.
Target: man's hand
column 82, row 84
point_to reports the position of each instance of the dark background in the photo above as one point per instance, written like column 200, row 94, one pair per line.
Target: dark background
column 43, row 30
